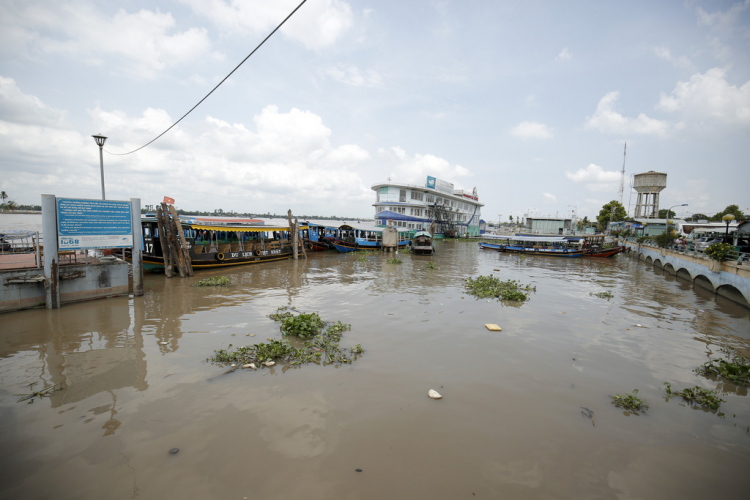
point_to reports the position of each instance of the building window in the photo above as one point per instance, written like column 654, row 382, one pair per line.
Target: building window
column 416, row 195
column 430, row 199
column 402, row 196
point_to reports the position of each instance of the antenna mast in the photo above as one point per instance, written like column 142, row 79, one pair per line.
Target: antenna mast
column 622, row 185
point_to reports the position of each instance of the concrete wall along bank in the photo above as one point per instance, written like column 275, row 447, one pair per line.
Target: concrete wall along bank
column 25, row 288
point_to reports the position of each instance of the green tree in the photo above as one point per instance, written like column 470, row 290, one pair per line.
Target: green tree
column 731, row 209
column 663, row 214
column 606, row 212
column 697, row 217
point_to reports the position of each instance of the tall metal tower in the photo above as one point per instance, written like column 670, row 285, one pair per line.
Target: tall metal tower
column 622, row 184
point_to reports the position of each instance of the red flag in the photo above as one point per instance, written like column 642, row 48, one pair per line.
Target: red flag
column 168, row 200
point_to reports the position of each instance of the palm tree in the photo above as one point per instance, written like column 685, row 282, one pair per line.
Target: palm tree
column 3, row 196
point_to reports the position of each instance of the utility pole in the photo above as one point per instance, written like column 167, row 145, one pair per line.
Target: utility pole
column 622, row 186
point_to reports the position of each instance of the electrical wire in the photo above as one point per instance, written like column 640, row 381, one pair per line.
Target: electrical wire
column 216, row 87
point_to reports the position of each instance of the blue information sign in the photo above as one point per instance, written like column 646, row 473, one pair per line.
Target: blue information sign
column 93, row 224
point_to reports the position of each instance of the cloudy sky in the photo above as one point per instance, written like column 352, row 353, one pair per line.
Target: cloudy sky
column 531, row 102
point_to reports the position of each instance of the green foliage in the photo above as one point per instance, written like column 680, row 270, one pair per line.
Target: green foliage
column 393, row 261
column 697, row 217
column 490, row 287
column 735, row 368
column 322, row 347
column 602, row 295
column 630, row 402
column 664, row 215
column 431, row 265
column 718, row 251
column 605, row 213
column 643, row 239
column 704, row 398
column 731, row 209
column 215, row 281
column 304, row 326
column 664, row 239
column 364, row 255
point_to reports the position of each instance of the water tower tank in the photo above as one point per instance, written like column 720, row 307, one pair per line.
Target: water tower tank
column 648, row 186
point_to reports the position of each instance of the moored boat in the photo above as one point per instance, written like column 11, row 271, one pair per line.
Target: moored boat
column 549, row 246
column 350, row 238
column 421, row 243
column 221, row 245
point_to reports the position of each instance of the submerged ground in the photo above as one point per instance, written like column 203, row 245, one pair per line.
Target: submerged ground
column 136, row 383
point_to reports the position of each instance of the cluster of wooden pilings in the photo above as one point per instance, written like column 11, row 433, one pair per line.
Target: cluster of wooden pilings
column 294, row 231
column 174, row 246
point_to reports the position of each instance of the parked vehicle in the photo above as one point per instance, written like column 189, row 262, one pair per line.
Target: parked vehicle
column 702, row 243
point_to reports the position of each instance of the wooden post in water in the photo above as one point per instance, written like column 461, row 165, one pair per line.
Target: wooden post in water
column 294, row 235
column 296, row 224
column 185, row 251
column 163, row 239
column 172, row 240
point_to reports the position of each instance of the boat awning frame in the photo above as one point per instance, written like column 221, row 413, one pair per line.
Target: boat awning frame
column 242, row 229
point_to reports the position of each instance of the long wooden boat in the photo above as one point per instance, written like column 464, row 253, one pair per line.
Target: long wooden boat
column 593, row 246
column 421, row 243
column 548, row 246
column 318, row 236
column 350, row 238
column 222, row 245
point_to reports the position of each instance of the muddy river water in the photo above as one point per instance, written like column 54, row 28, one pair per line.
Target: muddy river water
column 136, row 383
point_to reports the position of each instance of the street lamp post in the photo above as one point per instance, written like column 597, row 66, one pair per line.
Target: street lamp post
column 670, row 209
column 100, row 140
column 727, row 218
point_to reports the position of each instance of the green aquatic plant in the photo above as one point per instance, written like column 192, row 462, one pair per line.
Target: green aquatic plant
column 320, row 346
column 431, row 265
column 393, row 261
column 630, row 402
column 735, row 368
column 215, row 281
column 485, row 287
column 304, row 326
column 698, row 396
column 364, row 255
column 602, row 295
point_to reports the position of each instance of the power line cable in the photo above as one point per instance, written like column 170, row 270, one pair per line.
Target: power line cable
column 217, row 86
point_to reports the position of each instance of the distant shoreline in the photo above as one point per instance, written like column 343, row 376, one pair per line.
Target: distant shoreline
column 13, row 212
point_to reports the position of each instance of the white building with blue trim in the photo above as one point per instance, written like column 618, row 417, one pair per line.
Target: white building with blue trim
column 417, row 207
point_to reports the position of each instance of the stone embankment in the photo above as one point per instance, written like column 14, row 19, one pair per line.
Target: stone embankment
column 727, row 279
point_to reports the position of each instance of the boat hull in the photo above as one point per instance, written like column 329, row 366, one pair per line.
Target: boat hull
column 571, row 254
column 609, row 252
column 216, row 260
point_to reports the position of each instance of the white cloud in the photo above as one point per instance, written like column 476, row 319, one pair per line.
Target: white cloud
column 595, row 178
column 316, row 24
column 146, row 40
column 722, row 21
column 549, row 198
column 564, row 55
column 532, row 130
column 21, row 108
column 415, row 169
column 531, row 100
column 606, row 119
column 709, row 96
column 663, row 52
column 353, row 76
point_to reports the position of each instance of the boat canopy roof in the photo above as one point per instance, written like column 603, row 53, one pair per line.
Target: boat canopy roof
column 370, row 227
column 241, row 229
column 16, row 234
column 528, row 239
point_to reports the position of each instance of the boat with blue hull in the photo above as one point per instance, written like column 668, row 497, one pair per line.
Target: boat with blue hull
column 548, row 246
column 352, row 237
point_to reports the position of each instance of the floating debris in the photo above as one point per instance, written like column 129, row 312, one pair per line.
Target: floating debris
column 602, row 295
column 588, row 414
column 215, row 281
column 630, row 402
column 735, row 368
column 490, row 287
column 39, row 394
column 321, row 343
column 434, row 394
column 173, row 451
column 250, row 365
column 393, row 261
column 493, row 327
column 698, row 396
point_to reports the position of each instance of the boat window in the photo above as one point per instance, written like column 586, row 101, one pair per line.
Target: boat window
column 147, row 231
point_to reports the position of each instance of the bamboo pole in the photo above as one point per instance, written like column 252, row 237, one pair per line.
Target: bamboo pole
column 176, row 256
column 183, row 242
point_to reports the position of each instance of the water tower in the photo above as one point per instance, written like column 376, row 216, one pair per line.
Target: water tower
column 648, row 186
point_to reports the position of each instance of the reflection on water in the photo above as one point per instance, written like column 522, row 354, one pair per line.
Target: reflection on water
column 136, row 383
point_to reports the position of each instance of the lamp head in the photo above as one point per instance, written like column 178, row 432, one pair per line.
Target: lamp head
column 727, row 218
column 100, row 140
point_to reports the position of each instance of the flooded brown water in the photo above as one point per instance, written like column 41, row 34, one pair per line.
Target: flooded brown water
column 509, row 425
